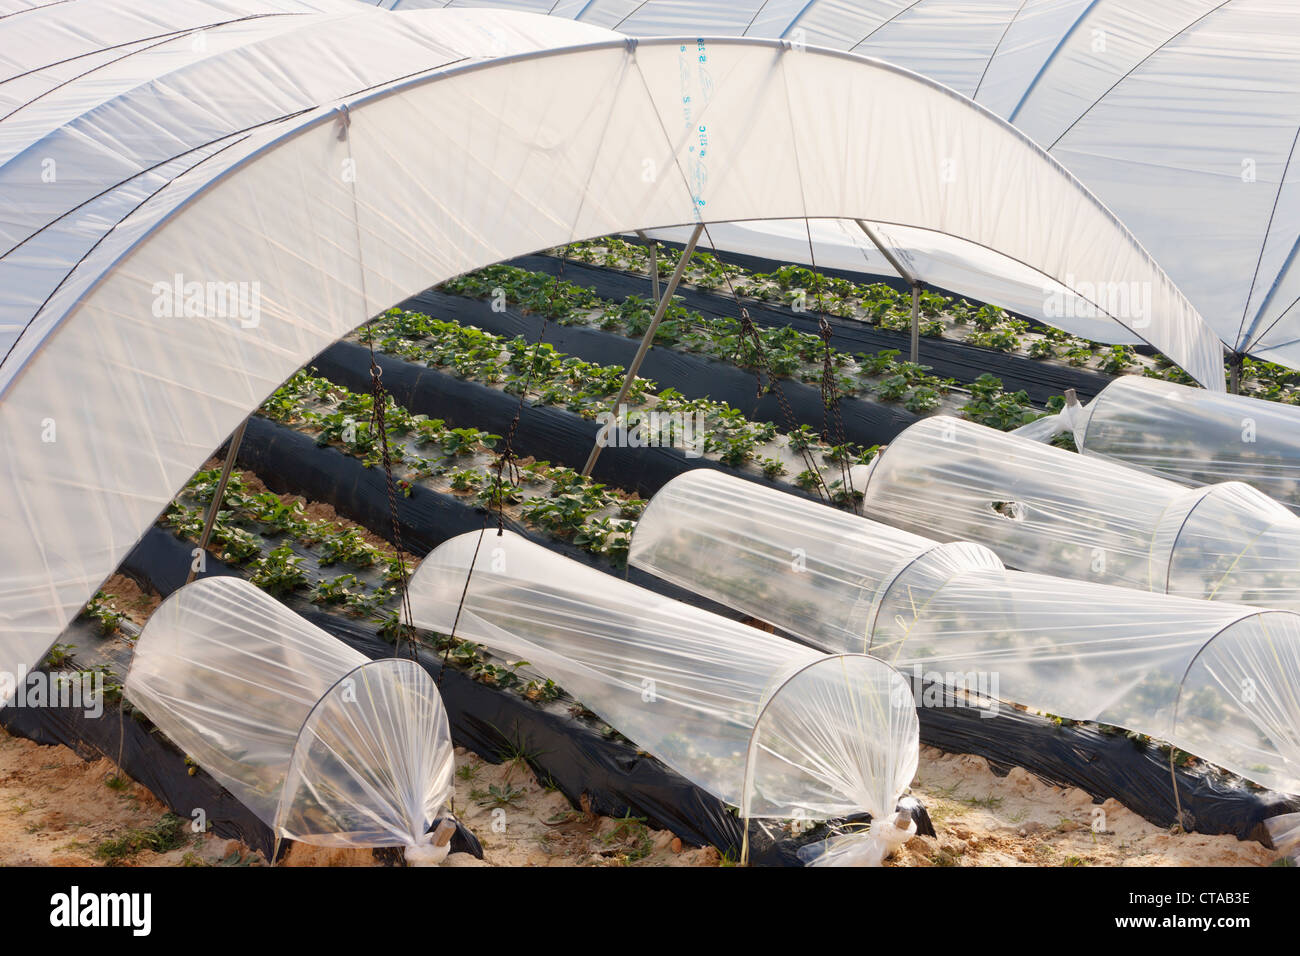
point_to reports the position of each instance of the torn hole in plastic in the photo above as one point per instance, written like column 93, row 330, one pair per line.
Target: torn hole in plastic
column 1011, row 510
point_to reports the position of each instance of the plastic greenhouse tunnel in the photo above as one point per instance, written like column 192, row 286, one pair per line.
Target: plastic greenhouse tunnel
column 324, row 745
column 1045, row 509
column 469, row 98
column 772, row 727
column 1187, row 434
column 1220, row 681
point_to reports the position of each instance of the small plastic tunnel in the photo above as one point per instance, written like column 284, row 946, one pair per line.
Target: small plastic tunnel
column 1049, row 510
column 324, row 745
column 1218, row 680
column 773, row 727
column 1195, row 436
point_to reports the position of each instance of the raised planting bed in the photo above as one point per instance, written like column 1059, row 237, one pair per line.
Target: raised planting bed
column 697, row 428
column 788, row 352
column 958, row 340
column 707, row 271
column 555, row 433
column 865, row 422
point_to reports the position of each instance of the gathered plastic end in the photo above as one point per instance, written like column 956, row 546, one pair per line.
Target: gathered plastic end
column 434, row 847
column 861, row 849
column 1284, row 833
column 1073, row 418
column 426, row 854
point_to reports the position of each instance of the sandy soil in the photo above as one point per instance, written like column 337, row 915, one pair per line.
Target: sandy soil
column 520, row 823
column 1018, row 820
column 56, row 809
column 59, row 810
column 129, row 599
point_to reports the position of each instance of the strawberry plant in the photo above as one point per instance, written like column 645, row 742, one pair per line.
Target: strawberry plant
column 101, row 609
column 466, row 441
column 278, row 572
column 349, row 547
column 990, row 405
column 335, row 590
column 466, row 480
column 1118, row 358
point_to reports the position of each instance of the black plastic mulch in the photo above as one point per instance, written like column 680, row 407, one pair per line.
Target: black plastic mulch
column 865, row 422
column 547, row 433
column 949, row 359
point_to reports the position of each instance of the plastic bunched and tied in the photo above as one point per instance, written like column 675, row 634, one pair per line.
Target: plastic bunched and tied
column 1219, row 680
column 1045, row 509
column 775, row 728
column 323, row 744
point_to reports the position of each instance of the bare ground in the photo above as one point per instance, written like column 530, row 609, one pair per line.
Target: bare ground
column 58, row 810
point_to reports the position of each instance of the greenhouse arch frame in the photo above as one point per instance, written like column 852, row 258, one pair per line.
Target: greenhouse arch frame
column 330, row 252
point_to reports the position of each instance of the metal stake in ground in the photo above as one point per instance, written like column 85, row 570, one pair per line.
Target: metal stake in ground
column 219, row 496
column 647, row 339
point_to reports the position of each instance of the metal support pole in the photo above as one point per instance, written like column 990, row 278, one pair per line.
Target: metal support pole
column 654, row 265
column 910, row 277
column 648, row 338
column 1234, row 373
column 892, row 259
column 219, row 496
column 916, row 322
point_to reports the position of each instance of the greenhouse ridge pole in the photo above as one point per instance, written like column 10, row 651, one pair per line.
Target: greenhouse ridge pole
column 649, row 337
column 909, row 277
column 219, row 496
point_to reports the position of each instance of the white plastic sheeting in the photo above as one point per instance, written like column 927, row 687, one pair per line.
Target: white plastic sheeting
column 764, row 724
column 198, row 246
column 1221, row 681
column 1045, row 509
column 1195, row 437
column 1183, row 116
column 81, row 152
column 323, row 744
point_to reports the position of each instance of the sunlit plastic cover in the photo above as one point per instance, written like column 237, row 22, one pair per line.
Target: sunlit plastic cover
column 1042, row 508
column 1219, row 680
column 750, row 547
column 1196, row 437
column 324, row 745
column 215, row 218
column 1181, row 115
column 763, row 723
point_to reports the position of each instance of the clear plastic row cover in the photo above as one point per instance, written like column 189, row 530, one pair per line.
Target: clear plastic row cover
column 323, row 744
column 1045, row 509
column 1196, row 437
column 770, row 726
column 747, row 547
column 1220, row 680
